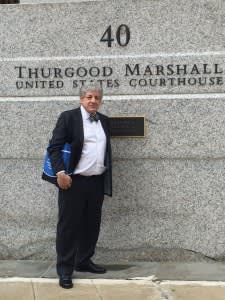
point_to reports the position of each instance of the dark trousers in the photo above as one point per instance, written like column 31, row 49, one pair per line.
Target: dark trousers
column 78, row 222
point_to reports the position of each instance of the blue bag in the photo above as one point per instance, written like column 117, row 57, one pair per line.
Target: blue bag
column 48, row 172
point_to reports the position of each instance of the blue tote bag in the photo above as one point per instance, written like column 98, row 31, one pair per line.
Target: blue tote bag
column 48, row 173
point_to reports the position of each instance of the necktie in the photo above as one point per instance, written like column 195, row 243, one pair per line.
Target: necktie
column 94, row 118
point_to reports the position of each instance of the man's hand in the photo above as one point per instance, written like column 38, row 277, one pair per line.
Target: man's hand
column 64, row 181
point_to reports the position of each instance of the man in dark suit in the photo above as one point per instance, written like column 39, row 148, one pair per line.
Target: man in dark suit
column 81, row 194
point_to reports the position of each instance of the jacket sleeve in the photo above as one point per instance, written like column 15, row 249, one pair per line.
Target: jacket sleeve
column 59, row 138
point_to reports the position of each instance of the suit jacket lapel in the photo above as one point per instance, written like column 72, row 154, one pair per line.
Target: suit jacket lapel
column 80, row 126
column 77, row 134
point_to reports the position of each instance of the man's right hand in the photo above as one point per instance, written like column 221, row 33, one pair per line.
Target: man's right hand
column 64, row 181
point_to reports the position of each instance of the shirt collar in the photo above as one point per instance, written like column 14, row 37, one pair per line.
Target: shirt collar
column 84, row 113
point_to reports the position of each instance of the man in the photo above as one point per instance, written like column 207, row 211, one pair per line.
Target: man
column 81, row 194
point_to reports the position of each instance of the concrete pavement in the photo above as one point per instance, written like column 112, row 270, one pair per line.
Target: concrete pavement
column 98, row 289
column 32, row 280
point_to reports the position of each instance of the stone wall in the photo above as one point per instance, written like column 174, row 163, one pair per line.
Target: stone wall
column 53, row 1
column 168, row 201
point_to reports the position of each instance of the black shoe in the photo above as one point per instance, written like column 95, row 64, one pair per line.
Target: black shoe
column 91, row 267
column 65, row 282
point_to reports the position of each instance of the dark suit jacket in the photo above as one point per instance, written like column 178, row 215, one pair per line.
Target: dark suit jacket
column 69, row 129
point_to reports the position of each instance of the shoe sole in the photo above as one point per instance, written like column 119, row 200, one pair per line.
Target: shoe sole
column 66, row 287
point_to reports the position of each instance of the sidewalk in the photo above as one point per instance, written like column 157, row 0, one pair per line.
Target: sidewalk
column 33, row 280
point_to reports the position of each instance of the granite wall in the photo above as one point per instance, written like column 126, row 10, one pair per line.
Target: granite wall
column 53, row 1
column 168, row 201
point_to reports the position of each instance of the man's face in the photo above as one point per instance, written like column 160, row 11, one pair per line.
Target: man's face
column 91, row 101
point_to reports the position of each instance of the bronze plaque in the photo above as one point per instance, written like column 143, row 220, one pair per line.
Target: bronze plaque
column 127, row 126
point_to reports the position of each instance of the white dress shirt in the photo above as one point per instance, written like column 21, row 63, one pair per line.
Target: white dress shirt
column 93, row 152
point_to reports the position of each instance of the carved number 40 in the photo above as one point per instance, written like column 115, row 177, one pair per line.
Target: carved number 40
column 122, row 35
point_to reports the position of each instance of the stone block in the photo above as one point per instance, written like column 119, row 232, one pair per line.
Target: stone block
column 181, row 54
column 166, row 204
column 176, row 127
column 163, row 204
column 28, row 211
column 156, row 27
column 130, row 75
